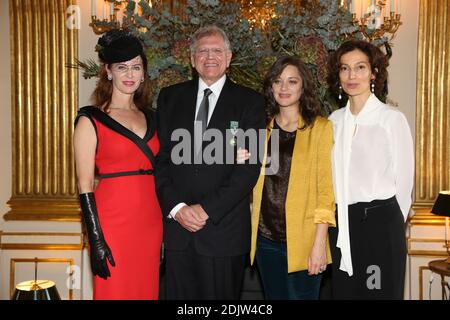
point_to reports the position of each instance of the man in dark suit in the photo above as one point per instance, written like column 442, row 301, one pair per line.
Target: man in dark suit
column 206, row 206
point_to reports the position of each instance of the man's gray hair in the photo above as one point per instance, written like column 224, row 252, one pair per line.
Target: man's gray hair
column 206, row 31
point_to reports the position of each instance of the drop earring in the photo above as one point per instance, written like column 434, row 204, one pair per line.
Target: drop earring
column 372, row 86
column 142, row 80
column 109, row 77
column 340, row 92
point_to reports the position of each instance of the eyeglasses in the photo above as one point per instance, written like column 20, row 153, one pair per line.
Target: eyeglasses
column 123, row 68
column 215, row 52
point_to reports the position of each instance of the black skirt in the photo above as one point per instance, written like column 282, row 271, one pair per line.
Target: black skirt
column 378, row 249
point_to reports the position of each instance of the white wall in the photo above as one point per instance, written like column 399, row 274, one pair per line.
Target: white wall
column 5, row 110
column 86, row 50
column 403, row 64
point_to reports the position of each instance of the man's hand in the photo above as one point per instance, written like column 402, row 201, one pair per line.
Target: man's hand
column 190, row 219
column 201, row 213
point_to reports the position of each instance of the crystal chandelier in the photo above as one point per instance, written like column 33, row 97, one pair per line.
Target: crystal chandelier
column 377, row 18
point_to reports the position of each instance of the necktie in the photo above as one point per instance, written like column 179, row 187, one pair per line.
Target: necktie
column 202, row 114
column 202, row 119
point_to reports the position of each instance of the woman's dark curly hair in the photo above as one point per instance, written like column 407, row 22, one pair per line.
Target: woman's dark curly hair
column 378, row 63
column 309, row 104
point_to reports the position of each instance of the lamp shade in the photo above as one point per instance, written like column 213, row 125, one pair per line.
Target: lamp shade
column 36, row 290
column 442, row 205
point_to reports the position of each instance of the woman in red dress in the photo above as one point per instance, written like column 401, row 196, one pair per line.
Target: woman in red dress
column 116, row 140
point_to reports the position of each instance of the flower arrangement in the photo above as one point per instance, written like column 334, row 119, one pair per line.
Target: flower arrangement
column 311, row 33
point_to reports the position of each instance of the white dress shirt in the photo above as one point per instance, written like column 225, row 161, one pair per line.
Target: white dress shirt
column 216, row 88
column 373, row 158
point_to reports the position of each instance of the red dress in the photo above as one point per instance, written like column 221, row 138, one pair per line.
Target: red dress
column 129, row 215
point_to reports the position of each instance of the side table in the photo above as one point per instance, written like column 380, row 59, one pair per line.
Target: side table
column 442, row 268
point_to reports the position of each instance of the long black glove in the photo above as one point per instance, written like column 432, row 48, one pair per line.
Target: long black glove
column 99, row 250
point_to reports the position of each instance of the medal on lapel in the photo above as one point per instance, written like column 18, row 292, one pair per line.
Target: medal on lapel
column 233, row 129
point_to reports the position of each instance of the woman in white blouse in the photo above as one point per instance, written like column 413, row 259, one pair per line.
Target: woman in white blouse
column 373, row 169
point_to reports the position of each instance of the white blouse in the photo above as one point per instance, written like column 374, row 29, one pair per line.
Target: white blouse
column 373, row 158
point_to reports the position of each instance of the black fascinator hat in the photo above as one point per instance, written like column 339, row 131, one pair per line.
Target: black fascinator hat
column 118, row 46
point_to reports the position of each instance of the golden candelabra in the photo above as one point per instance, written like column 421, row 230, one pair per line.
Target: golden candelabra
column 390, row 25
column 376, row 20
column 100, row 26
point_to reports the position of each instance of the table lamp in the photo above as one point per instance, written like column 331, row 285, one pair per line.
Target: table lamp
column 36, row 289
column 442, row 208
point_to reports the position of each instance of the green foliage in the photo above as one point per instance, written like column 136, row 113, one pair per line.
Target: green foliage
column 312, row 34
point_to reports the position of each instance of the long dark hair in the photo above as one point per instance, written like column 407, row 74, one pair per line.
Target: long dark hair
column 101, row 97
column 309, row 105
column 378, row 63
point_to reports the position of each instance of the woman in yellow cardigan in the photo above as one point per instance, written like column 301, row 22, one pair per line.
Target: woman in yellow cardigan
column 294, row 205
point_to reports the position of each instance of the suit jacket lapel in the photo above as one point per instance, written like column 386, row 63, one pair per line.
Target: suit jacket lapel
column 221, row 106
column 191, row 101
column 185, row 111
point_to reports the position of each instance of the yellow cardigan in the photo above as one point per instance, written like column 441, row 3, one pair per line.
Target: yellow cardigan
column 310, row 197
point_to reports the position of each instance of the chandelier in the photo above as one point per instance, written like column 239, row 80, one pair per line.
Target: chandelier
column 377, row 18
column 258, row 12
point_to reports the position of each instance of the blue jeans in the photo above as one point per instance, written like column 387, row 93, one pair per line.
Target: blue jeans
column 271, row 258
